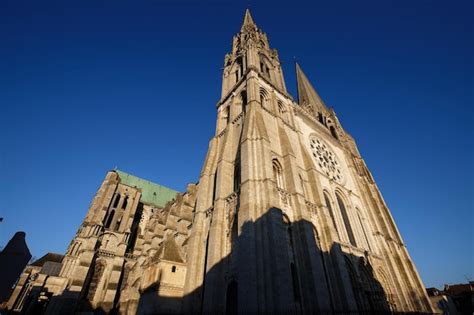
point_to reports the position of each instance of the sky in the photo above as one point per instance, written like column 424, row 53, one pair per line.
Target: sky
column 86, row 86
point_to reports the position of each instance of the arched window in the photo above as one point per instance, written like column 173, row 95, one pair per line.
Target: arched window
column 345, row 217
column 327, row 200
column 237, row 178
column 173, row 269
column 109, row 219
column 243, row 97
column 125, row 202
column 281, row 107
column 282, row 110
column 277, row 173
column 333, row 132
column 116, row 202
column 264, row 98
column 239, row 69
column 264, row 68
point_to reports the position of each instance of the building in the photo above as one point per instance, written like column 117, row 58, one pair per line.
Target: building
column 453, row 299
column 13, row 259
column 285, row 217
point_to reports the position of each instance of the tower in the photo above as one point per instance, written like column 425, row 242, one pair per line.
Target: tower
column 288, row 217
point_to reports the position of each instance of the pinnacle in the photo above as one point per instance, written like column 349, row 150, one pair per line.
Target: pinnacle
column 248, row 20
column 306, row 92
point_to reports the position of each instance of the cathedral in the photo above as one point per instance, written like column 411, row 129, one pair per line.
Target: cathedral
column 285, row 218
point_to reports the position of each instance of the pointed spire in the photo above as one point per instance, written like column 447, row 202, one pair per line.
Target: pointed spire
column 248, row 20
column 307, row 95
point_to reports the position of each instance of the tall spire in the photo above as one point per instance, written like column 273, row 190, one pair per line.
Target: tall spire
column 307, row 95
column 248, row 20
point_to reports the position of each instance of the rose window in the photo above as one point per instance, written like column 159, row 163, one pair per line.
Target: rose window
column 326, row 160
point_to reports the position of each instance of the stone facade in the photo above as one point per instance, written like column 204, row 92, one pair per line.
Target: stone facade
column 286, row 217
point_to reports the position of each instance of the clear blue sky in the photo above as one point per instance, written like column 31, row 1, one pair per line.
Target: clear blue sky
column 89, row 85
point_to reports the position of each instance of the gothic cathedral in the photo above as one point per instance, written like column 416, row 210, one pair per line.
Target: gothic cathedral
column 285, row 218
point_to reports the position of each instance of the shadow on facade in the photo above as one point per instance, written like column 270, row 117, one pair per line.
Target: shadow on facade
column 277, row 267
column 273, row 267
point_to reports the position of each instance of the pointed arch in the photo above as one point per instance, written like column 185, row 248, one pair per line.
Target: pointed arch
column 264, row 98
column 116, row 201
column 277, row 173
column 238, row 68
column 108, row 220
column 125, row 202
column 328, row 202
column 345, row 218
column 281, row 108
column 266, row 66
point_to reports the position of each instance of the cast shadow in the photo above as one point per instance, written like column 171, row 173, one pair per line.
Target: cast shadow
column 274, row 266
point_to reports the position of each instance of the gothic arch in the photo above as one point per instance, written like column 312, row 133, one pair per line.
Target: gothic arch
column 283, row 111
column 342, row 203
column 264, row 98
column 266, row 66
column 116, row 201
column 237, row 68
column 329, row 205
column 277, row 173
column 285, row 143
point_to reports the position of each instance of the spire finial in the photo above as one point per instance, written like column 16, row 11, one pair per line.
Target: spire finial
column 248, row 20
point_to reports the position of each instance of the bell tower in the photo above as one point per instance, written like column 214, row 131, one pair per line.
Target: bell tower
column 251, row 50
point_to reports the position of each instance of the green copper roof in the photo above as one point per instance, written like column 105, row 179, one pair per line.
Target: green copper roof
column 151, row 193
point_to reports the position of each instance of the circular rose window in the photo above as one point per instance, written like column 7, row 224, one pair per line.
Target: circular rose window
column 326, row 159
